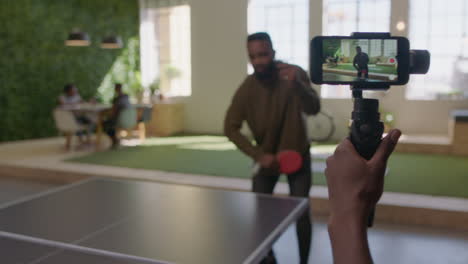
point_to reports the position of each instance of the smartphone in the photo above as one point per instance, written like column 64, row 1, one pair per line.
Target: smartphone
column 369, row 62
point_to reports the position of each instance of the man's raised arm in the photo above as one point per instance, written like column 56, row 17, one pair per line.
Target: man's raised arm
column 300, row 81
column 309, row 98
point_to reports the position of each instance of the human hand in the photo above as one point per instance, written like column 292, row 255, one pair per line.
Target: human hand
column 354, row 187
column 355, row 184
column 267, row 161
column 288, row 72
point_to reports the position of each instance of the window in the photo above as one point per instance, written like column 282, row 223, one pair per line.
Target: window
column 287, row 22
column 165, row 46
column 342, row 17
column 442, row 28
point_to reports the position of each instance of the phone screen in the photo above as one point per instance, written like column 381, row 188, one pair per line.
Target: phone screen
column 359, row 60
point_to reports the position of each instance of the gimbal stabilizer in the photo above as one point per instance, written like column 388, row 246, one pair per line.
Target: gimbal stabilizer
column 366, row 128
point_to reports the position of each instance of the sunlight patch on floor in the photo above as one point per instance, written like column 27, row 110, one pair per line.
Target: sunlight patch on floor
column 209, row 146
column 183, row 140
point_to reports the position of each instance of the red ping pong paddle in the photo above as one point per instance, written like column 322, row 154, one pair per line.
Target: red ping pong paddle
column 289, row 161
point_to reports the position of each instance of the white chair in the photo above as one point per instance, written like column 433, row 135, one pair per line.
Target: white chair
column 126, row 121
column 127, row 118
column 66, row 123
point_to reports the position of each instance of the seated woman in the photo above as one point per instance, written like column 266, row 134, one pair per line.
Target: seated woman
column 71, row 97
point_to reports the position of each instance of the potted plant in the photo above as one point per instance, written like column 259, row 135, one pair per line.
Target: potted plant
column 154, row 90
column 171, row 73
column 135, row 87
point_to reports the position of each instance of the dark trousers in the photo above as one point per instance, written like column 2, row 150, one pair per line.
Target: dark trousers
column 299, row 185
column 109, row 127
column 83, row 120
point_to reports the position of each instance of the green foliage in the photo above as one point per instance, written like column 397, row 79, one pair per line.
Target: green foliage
column 331, row 47
column 155, row 86
column 172, row 72
column 125, row 70
column 35, row 64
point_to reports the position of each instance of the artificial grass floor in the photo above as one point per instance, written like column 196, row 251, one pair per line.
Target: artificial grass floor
column 372, row 68
column 215, row 155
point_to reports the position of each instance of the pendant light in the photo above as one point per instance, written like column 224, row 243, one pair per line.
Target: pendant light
column 77, row 38
column 111, row 42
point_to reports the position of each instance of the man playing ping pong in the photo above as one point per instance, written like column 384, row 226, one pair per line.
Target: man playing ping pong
column 272, row 101
column 360, row 62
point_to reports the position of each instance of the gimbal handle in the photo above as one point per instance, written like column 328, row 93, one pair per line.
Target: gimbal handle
column 366, row 131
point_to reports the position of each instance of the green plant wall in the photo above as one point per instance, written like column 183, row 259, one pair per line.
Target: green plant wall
column 35, row 64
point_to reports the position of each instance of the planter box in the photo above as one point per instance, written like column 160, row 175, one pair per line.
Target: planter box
column 167, row 119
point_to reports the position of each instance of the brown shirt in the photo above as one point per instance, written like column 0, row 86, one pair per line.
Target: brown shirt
column 263, row 105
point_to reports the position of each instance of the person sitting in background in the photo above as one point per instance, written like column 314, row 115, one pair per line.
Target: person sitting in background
column 355, row 185
column 71, row 97
column 120, row 102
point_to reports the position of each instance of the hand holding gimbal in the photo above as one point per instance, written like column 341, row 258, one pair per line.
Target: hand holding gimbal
column 366, row 129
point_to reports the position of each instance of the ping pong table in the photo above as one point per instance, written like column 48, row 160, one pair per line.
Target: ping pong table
column 118, row 221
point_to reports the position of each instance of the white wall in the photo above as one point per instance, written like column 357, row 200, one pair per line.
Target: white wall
column 219, row 31
column 219, row 61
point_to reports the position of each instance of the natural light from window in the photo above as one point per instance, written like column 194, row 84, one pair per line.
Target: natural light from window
column 287, row 22
column 165, row 49
column 441, row 28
